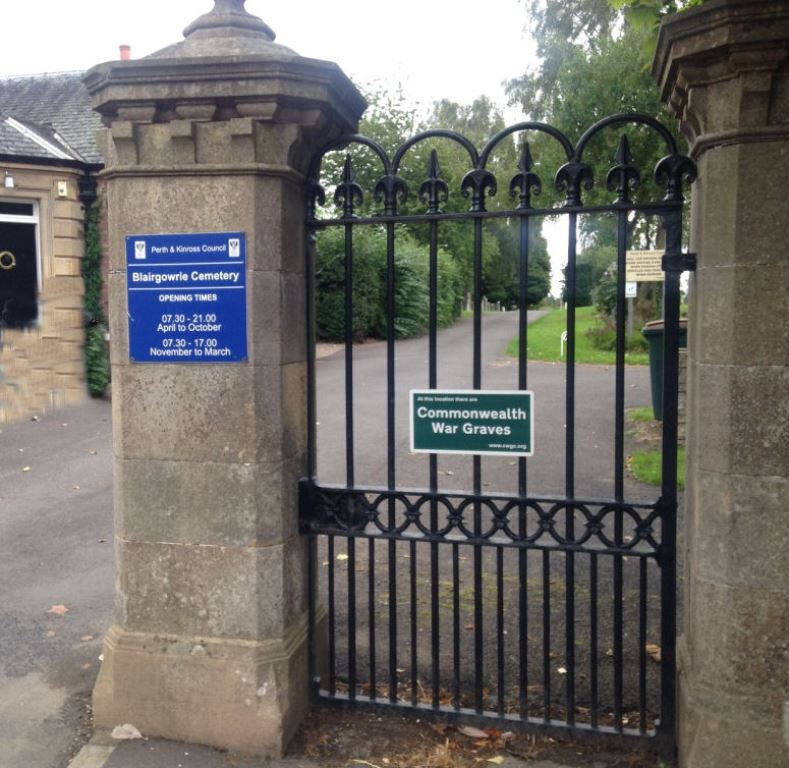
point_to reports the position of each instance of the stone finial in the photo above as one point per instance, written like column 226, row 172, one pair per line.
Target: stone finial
column 230, row 15
column 227, row 30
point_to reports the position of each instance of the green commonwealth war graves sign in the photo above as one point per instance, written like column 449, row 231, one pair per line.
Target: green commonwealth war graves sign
column 499, row 422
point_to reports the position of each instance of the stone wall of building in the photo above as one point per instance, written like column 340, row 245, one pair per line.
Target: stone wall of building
column 42, row 367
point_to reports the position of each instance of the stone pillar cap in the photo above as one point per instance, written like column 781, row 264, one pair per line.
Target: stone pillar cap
column 227, row 30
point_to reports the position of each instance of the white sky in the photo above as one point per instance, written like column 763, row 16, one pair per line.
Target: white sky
column 456, row 49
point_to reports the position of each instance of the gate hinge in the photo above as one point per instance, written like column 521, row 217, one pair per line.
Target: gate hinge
column 677, row 261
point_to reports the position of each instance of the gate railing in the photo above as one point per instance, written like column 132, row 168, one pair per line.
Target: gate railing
column 491, row 647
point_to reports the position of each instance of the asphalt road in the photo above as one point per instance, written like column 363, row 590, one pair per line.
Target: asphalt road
column 56, row 556
column 56, row 579
column 366, row 569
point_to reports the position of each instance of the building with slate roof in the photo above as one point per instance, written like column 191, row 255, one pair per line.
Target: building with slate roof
column 49, row 160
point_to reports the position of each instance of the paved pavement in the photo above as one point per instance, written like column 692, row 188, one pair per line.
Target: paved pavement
column 155, row 753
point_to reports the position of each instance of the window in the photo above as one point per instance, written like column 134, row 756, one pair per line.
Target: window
column 19, row 269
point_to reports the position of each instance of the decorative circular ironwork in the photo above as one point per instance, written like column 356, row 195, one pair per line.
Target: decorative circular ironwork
column 7, row 260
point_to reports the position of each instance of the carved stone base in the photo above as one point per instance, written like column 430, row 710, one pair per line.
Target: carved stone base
column 233, row 694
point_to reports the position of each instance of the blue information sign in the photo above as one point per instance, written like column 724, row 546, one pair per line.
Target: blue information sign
column 187, row 298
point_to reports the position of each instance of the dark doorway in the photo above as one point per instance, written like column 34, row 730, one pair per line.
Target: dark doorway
column 18, row 275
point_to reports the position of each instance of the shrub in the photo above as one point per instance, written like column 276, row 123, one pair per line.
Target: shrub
column 603, row 337
column 97, row 362
column 411, row 285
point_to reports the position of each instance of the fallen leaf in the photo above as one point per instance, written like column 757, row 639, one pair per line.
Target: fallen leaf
column 498, row 760
column 86, row 666
column 102, row 541
column 26, row 469
column 342, row 557
column 86, row 638
column 51, row 633
column 125, row 732
column 472, row 732
column 101, row 657
column 34, row 418
column 365, row 762
column 562, row 671
column 75, row 487
column 93, row 452
column 58, row 610
column 653, row 651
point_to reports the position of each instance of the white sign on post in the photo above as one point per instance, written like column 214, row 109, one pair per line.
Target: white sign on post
column 631, row 290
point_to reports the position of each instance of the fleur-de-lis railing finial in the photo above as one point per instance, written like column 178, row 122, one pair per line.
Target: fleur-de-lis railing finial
column 389, row 189
column 348, row 193
column 477, row 183
column 434, row 191
column 624, row 176
column 525, row 182
column 570, row 178
column 671, row 172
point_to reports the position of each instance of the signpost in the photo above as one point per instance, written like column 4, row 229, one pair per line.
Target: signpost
column 187, row 298
column 498, row 423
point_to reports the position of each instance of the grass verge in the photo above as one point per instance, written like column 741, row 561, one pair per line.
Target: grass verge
column 645, row 466
column 544, row 340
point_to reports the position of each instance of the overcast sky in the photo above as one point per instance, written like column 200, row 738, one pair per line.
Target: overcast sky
column 456, row 49
column 436, row 48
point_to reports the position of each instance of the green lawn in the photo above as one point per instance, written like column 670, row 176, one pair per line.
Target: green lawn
column 645, row 467
column 544, row 338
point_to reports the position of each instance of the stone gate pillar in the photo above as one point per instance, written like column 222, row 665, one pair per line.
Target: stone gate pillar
column 724, row 71
column 213, row 134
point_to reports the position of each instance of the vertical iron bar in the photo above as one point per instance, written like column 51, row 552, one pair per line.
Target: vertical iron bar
column 546, row 635
column 332, row 688
column 390, row 452
column 455, row 626
column 569, row 444
column 414, row 654
column 593, row 640
column 569, row 603
column 523, row 616
column 351, row 617
column 642, row 645
column 477, row 469
column 311, row 396
column 523, row 574
column 312, row 584
column 668, row 501
column 619, row 461
column 349, row 458
column 392, row 611
column 433, row 459
column 500, row 626
column 618, row 623
column 371, row 615
column 619, row 397
column 312, row 540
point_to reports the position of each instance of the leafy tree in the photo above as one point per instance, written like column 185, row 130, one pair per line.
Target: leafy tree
column 590, row 268
column 646, row 15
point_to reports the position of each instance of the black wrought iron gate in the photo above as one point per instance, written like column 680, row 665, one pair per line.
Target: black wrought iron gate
column 518, row 604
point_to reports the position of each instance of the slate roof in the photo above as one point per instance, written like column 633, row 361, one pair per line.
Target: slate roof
column 56, row 108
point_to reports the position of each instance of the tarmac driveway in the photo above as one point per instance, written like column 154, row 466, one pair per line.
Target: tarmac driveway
column 56, row 579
